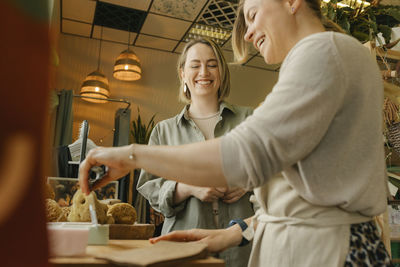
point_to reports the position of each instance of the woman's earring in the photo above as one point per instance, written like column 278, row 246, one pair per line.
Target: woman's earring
column 292, row 10
column 185, row 88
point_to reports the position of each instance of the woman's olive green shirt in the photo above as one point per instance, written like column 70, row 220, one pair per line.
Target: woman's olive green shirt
column 193, row 213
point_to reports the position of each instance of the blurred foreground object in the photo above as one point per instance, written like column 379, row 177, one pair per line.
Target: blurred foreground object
column 24, row 74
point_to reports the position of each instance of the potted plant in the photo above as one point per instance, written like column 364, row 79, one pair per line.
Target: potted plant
column 140, row 133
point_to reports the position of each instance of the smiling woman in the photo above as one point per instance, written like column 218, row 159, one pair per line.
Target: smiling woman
column 204, row 76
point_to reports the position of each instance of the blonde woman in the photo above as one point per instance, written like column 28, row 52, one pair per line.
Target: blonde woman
column 322, row 114
column 205, row 83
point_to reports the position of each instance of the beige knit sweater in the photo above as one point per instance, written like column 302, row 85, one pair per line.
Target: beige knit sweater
column 321, row 126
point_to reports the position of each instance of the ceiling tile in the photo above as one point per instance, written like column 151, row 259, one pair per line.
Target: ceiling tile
column 154, row 42
column 228, row 56
column 82, row 10
column 165, row 27
column 228, row 44
column 252, row 50
column 180, row 47
column 119, row 17
column 113, row 35
column 219, row 13
column 136, row 4
column 259, row 62
column 78, row 28
column 183, row 9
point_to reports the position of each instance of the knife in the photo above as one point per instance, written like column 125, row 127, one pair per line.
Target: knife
column 92, row 210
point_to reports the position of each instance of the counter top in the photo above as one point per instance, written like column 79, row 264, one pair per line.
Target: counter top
column 120, row 245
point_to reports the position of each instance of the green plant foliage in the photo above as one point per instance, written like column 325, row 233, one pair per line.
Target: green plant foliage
column 140, row 131
column 364, row 23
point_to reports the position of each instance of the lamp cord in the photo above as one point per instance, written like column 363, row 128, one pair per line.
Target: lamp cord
column 101, row 38
column 129, row 31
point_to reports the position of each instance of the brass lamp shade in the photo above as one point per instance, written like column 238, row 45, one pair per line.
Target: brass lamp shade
column 127, row 66
column 95, row 85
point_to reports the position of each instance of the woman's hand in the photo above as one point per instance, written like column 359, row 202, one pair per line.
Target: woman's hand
column 216, row 240
column 115, row 158
column 207, row 194
column 233, row 195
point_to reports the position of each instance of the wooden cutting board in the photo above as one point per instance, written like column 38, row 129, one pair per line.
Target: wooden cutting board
column 161, row 254
column 131, row 231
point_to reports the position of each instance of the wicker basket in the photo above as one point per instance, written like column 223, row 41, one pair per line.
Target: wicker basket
column 393, row 136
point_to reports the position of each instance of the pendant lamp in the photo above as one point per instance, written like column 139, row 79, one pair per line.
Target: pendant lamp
column 127, row 65
column 95, row 87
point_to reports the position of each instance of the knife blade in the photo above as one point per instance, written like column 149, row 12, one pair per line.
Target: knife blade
column 92, row 211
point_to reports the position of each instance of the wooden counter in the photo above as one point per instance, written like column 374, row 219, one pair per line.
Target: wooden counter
column 119, row 245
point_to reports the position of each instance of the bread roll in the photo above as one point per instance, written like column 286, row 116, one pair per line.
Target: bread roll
column 123, row 213
column 80, row 208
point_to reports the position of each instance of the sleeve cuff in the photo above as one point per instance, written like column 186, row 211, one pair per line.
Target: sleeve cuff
column 166, row 200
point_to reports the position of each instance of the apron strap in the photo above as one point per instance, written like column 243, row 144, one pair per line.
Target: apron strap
column 322, row 221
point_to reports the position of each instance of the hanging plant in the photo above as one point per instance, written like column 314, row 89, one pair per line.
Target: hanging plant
column 140, row 131
column 362, row 21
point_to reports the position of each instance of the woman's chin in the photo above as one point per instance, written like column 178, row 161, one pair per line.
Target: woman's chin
column 271, row 58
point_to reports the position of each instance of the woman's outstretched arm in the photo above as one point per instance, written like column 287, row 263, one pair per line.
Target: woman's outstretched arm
column 197, row 164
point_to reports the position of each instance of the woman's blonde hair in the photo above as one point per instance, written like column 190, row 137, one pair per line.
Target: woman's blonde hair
column 224, row 87
column 239, row 28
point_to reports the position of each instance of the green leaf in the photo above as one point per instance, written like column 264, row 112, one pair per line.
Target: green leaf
column 331, row 13
column 395, row 13
column 361, row 36
column 140, row 131
column 151, row 123
column 344, row 23
column 372, row 24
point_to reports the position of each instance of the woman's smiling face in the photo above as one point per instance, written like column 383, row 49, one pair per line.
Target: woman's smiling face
column 201, row 72
column 267, row 23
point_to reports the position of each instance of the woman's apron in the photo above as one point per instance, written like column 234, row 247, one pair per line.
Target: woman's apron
column 293, row 232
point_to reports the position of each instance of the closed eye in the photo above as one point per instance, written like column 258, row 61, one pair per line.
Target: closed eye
column 252, row 16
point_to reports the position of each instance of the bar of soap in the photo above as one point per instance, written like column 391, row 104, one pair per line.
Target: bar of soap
column 99, row 235
column 66, row 241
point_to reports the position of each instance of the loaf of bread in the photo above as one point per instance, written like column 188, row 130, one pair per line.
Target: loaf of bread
column 123, row 213
column 66, row 211
column 80, row 208
column 53, row 211
column 49, row 192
